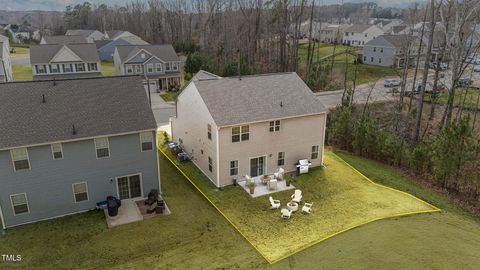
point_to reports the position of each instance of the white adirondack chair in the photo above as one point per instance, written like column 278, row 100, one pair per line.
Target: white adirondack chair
column 279, row 175
column 274, row 204
column 286, row 214
column 297, row 196
column 307, row 208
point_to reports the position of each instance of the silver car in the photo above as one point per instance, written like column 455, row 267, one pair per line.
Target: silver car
column 392, row 83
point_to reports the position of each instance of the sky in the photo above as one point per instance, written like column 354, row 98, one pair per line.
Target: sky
column 59, row 5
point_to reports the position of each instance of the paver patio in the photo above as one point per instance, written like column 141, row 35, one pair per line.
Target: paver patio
column 343, row 199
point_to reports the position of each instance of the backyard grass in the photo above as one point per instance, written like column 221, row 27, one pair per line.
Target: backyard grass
column 196, row 236
column 322, row 50
column 342, row 198
column 463, row 97
column 108, row 68
column 169, row 96
column 22, row 72
column 20, row 50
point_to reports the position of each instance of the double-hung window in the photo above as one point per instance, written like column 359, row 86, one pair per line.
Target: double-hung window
column 281, row 159
column 57, row 151
column 209, row 131
column 41, row 69
column 19, row 203
column 67, row 68
column 233, row 167
column 240, row 133
column 146, row 139
column 20, row 159
column 275, row 126
column 167, row 66
column 138, row 69
column 80, row 67
column 129, row 69
column 92, row 67
column 80, row 192
column 102, row 147
column 54, row 68
column 150, row 68
column 210, row 164
column 315, row 150
column 158, row 67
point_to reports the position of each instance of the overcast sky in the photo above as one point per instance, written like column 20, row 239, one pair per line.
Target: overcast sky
column 60, row 5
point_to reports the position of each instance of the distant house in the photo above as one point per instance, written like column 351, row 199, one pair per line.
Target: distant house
column 116, row 34
column 106, row 48
column 389, row 50
column 331, row 33
column 63, row 40
column 5, row 64
column 64, row 61
column 359, row 34
column 251, row 125
column 90, row 35
column 68, row 144
column 19, row 33
column 157, row 63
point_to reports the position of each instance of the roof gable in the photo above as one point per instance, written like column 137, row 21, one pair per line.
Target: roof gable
column 65, row 55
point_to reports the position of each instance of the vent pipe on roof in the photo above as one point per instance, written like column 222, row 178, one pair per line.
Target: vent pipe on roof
column 74, row 131
column 43, row 99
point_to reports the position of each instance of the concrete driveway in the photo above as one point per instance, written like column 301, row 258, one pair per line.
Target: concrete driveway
column 161, row 109
column 20, row 59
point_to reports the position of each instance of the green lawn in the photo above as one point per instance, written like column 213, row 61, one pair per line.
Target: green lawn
column 342, row 199
column 20, row 50
column 108, row 68
column 22, row 72
column 322, row 50
column 463, row 97
column 170, row 96
column 196, row 236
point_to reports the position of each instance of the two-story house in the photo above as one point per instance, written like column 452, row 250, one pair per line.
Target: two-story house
column 249, row 125
column 359, row 34
column 158, row 64
column 106, row 47
column 68, row 144
column 64, row 61
column 63, row 40
column 90, row 35
column 331, row 33
column 5, row 63
column 390, row 50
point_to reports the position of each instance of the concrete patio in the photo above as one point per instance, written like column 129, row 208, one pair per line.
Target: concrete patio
column 132, row 211
column 262, row 189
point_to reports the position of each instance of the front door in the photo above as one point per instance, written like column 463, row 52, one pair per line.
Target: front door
column 129, row 187
column 257, row 166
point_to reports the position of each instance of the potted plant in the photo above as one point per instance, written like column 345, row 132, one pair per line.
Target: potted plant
column 251, row 185
column 287, row 181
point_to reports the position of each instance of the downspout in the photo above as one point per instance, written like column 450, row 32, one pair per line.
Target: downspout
column 4, row 228
column 324, row 139
column 218, row 158
column 5, row 71
column 158, row 163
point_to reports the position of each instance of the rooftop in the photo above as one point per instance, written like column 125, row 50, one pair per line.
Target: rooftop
column 64, row 39
column 165, row 51
column 44, row 53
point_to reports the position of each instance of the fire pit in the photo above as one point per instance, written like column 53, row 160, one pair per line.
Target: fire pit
column 293, row 206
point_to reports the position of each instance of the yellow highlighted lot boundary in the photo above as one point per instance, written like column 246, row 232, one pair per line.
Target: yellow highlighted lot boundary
column 434, row 209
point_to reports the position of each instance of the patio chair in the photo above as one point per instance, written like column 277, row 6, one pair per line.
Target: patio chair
column 272, row 184
column 279, row 175
column 274, row 204
column 297, row 196
column 286, row 214
column 307, row 208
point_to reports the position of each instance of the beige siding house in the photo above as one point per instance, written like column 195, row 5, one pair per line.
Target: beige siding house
column 251, row 125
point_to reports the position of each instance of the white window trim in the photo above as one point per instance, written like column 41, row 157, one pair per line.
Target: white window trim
column 133, row 174
column 275, row 125
column 150, row 66
column 13, row 161
column 158, row 65
column 131, row 71
column 108, row 146
column 61, row 150
column 73, row 190
column 140, row 138
column 317, row 152
column 283, row 158
column 26, row 200
column 230, row 168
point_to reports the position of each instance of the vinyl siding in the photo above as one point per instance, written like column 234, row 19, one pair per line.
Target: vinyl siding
column 48, row 184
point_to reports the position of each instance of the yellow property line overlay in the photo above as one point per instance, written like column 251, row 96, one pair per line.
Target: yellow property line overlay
column 435, row 209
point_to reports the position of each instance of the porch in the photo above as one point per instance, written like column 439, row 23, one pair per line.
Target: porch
column 263, row 187
column 133, row 211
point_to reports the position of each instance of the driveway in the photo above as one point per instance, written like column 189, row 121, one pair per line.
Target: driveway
column 20, row 59
column 161, row 109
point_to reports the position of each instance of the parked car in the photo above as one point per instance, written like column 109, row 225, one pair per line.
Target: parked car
column 392, row 83
column 440, row 66
column 463, row 81
column 476, row 68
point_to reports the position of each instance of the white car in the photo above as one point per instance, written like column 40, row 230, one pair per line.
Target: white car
column 476, row 68
column 392, row 83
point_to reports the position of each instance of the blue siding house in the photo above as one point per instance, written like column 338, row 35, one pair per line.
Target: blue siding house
column 106, row 48
column 68, row 144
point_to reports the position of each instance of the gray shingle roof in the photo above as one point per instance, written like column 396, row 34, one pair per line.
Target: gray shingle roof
column 358, row 28
column 398, row 41
column 41, row 54
column 97, row 107
column 233, row 101
column 79, row 32
column 204, row 75
column 164, row 52
column 100, row 43
column 1, row 51
column 114, row 33
column 64, row 39
column 134, row 40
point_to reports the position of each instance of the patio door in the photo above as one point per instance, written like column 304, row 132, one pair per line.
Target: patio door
column 129, row 187
column 257, row 166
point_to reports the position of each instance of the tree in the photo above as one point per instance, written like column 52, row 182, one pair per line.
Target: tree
column 195, row 61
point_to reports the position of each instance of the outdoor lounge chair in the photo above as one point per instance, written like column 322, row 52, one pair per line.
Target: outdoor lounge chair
column 286, row 214
column 274, row 204
column 297, row 196
column 307, row 208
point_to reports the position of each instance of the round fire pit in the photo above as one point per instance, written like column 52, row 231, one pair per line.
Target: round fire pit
column 293, row 206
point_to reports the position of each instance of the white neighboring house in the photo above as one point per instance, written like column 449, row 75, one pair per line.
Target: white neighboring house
column 389, row 50
column 359, row 34
column 90, row 35
column 5, row 64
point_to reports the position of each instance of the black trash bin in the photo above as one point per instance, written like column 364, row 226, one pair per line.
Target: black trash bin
column 112, row 205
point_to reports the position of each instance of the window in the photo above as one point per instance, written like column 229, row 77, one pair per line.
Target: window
column 159, row 67
column 241, row 133
column 167, row 66
column 371, row 59
column 54, row 68
column 150, row 68
column 57, row 151
column 92, row 66
column 20, row 159
column 19, row 203
column 209, row 131
column 315, row 151
column 381, row 50
column 80, row 67
column 41, row 69
column 364, row 58
column 380, row 60
column 138, row 69
column 210, row 166
column 233, row 167
column 129, row 69
column 146, row 139
column 365, row 34
column 281, row 159
column 175, row 66
column 374, row 49
column 102, row 147
column 80, row 192
column 67, row 68
column 275, row 126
